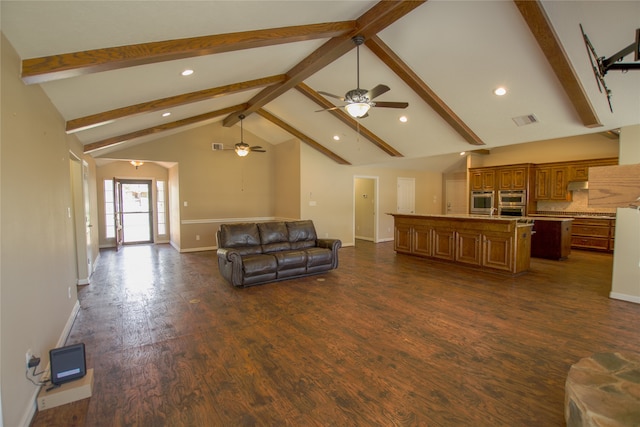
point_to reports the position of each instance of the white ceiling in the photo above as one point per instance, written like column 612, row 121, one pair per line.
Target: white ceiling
column 461, row 49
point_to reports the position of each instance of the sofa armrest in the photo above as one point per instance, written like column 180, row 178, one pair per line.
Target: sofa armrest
column 333, row 244
column 230, row 255
column 230, row 265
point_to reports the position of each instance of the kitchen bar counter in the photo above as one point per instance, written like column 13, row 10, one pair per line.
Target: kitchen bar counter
column 551, row 238
column 498, row 243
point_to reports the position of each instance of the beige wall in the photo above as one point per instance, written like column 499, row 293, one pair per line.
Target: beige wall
column 287, row 180
column 124, row 170
column 38, row 257
column 212, row 186
column 331, row 187
column 584, row 147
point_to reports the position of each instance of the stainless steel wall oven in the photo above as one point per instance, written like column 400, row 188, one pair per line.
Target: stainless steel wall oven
column 482, row 202
column 512, row 203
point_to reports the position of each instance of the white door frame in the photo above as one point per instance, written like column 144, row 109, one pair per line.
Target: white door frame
column 79, row 223
column 376, row 216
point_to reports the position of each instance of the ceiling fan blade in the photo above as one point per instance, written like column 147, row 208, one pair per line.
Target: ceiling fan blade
column 256, row 147
column 385, row 104
column 258, row 151
column 377, row 91
column 331, row 95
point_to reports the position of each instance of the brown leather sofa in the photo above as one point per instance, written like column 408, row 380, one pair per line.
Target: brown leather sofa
column 255, row 253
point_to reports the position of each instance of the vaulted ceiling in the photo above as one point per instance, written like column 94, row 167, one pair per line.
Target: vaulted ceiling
column 113, row 68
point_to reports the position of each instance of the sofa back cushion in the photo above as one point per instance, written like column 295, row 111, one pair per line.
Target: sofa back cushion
column 302, row 234
column 243, row 237
column 274, row 236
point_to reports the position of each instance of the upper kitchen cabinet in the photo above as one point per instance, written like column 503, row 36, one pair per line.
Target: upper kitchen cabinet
column 579, row 171
column 513, row 177
column 482, row 179
column 552, row 179
column 551, row 182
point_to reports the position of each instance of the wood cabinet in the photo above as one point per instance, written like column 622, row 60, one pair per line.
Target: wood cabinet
column 551, row 183
column 492, row 243
column 593, row 233
column 551, row 238
column 551, row 179
column 482, row 179
column 513, row 178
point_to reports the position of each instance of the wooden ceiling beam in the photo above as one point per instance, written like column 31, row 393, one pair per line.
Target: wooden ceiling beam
column 301, row 136
column 347, row 119
column 48, row 68
column 541, row 28
column 376, row 19
column 109, row 142
column 105, row 117
column 402, row 70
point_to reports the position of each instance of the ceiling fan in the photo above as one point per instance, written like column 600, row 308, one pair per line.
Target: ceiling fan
column 359, row 101
column 241, row 148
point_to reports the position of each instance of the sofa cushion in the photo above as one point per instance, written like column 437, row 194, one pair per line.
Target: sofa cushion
column 302, row 234
column 258, row 265
column 274, row 236
column 290, row 259
column 242, row 237
column 318, row 256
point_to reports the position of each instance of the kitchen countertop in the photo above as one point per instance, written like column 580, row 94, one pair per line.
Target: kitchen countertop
column 559, row 215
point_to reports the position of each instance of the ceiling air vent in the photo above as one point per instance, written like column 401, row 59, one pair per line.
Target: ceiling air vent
column 216, row 146
column 525, row 120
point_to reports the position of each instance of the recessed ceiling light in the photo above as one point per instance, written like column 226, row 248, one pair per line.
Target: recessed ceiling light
column 167, row 114
column 462, row 153
column 336, row 138
column 403, row 119
column 500, row 91
column 187, row 72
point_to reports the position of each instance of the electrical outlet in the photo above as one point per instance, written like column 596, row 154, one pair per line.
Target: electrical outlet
column 197, row 237
column 27, row 357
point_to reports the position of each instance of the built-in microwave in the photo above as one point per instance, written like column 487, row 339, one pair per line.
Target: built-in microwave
column 511, row 210
column 512, row 198
column 481, row 202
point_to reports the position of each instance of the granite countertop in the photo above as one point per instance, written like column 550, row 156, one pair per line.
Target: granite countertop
column 574, row 215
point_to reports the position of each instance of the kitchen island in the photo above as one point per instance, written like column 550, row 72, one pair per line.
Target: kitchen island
column 487, row 242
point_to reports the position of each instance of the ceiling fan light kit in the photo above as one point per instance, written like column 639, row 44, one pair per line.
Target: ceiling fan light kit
column 242, row 149
column 357, row 109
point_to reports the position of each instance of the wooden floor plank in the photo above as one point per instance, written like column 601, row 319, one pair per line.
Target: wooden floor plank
column 386, row 339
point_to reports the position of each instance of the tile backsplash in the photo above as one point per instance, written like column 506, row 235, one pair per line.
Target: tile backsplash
column 579, row 203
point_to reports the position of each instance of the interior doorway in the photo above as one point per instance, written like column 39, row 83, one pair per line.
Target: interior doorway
column 365, row 212
column 135, row 211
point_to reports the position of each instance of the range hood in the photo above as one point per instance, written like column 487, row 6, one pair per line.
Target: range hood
column 577, row 185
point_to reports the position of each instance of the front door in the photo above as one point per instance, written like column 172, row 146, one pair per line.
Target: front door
column 136, row 212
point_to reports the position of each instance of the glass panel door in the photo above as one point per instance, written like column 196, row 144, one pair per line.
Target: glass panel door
column 137, row 215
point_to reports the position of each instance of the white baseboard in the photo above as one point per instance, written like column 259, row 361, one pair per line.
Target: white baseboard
column 201, row 249
column 625, row 297
column 31, row 410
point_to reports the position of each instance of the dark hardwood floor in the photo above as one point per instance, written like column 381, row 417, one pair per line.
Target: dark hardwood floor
column 385, row 340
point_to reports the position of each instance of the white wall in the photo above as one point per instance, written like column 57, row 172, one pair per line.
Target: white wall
column 626, row 255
